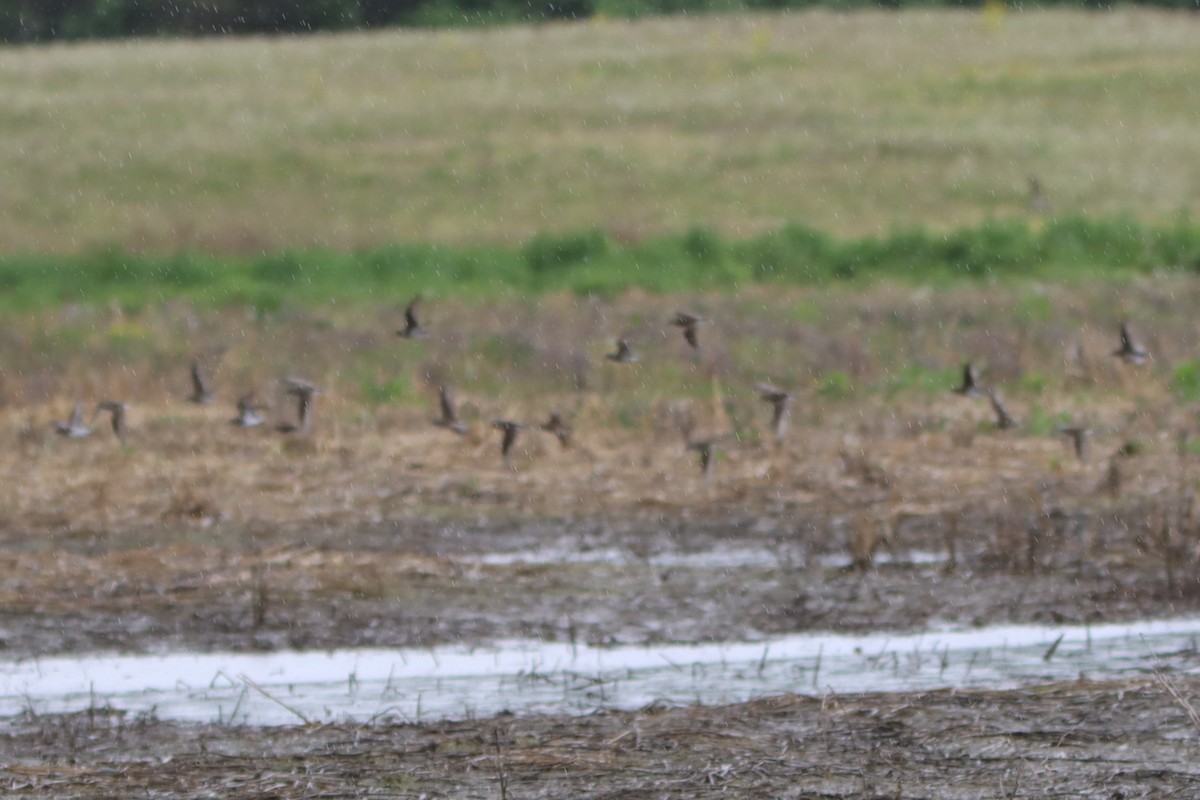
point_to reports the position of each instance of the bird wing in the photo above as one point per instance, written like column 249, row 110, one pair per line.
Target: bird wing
column 447, row 402
column 200, row 383
column 410, row 315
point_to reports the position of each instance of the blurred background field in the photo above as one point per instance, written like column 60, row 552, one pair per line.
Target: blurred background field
column 851, row 125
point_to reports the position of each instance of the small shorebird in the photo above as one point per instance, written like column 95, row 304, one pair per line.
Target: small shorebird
column 780, row 401
column 561, row 430
column 1130, row 351
column 510, row 430
column 707, row 449
column 449, row 418
column 623, row 355
column 412, row 329
column 248, row 416
column 970, row 382
column 202, row 393
column 305, row 394
column 1080, row 438
column 689, row 323
column 117, row 410
column 1004, row 420
column 73, row 428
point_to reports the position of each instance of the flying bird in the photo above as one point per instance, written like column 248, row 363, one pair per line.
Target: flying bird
column 707, row 450
column 780, row 401
column 73, row 428
column 202, row 392
column 1080, row 438
column 248, row 416
column 690, row 324
column 306, row 395
column 117, row 411
column 412, row 328
column 449, row 418
column 561, row 430
column 510, row 430
column 1130, row 351
column 1004, row 420
column 623, row 355
column 970, row 382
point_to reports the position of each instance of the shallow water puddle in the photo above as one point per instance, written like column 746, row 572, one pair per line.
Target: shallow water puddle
column 528, row 676
column 720, row 558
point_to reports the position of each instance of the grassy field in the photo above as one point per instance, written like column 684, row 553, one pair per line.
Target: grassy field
column 849, row 123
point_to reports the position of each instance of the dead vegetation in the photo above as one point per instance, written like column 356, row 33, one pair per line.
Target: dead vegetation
column 369, row 528
column 1132, row 739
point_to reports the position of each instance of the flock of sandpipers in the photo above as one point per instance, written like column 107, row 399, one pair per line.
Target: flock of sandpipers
column 305, row 393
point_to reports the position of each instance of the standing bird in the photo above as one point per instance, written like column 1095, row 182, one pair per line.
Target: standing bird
column 73, row 428
column 623, row 355
column 707, row 449
column 1004, row 420
column 1130, row 351
column 780, row 401
column 306, row 395
column 412, row 329
column 449, row 418
column 117, row 410
column 970, row 382
column 248, row 416
column 202, row 392
column 561, row 430
column 1080, row 438
column 690, row 324
column 510, row 430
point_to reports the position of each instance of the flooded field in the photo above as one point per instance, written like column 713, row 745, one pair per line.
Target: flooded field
column 526, row 677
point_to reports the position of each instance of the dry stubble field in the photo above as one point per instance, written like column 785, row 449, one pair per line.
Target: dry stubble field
column 371, row 532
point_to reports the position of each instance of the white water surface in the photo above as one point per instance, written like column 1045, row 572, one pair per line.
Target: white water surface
column 530, row 676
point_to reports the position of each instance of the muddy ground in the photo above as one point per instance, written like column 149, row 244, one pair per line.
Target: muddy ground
column 883, row 511
column 1081, row 740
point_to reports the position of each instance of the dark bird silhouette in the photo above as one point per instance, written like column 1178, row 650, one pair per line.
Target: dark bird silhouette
column 623, row 355
column 510, row 430
column 117, row 411
column 970, row 382
column 202, row 392
column 561, row 430
column 248, row 416
column 1038, row 203
column 73, row 428
column 1080, row 438
column 449, row 418
column 780, row 401
column 412, row 328
column 1004, row 420
column 690, row 324
column 306, row 396
column 707, row 450
column 1130, row 351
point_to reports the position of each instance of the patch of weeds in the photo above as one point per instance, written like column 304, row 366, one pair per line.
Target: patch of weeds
column 1185, row 380
column 1033, row 382
column 835, row 386
column 1042, row 423
column 127, row 339
column 1035, row 308
column 807, row 311
column 394, row 390
column 921, row 378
